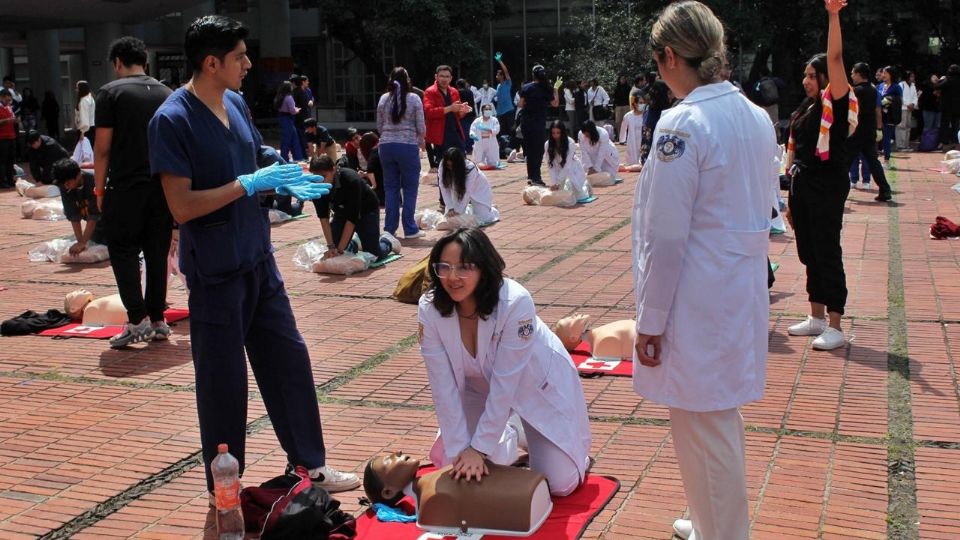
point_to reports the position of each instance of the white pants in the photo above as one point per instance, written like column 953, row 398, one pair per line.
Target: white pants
column 711, row 453
column 552, row 462
column 902, row 137
column 486, row 151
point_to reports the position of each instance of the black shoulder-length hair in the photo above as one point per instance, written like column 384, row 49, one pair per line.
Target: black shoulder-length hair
column 558, row 147
column 590, row 129
column 476, row 248
column 455, row 175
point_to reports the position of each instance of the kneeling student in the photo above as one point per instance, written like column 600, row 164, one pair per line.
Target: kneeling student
column 79, row 203
column 356, row 209
column 562, row 161
column 462, row 183
column 484, row 131
column 597, row 151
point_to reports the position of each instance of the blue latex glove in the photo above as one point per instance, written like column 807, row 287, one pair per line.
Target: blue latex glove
column 498, row 56
column 304, row 190
column 391, row 514
column 270, row 177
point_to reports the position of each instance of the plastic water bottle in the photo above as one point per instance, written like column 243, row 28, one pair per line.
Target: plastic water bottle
column 226, row 489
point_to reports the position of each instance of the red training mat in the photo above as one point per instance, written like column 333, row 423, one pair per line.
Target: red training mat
column 78, row 330
column 567, row 521
column 588, row 365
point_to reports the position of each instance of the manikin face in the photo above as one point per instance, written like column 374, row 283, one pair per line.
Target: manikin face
column 811, row 85
column 443, row 79
column 395, row 470
column 555, row 134
column 570, row 329
column 234, row 67
column 461, row 283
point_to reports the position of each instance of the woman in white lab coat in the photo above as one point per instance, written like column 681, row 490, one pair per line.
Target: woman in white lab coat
column 484, row 131
column 631, row 131
column 562, row 161
column 463, row 185
column 701, row 224
column 488, row 355
column 597, row 151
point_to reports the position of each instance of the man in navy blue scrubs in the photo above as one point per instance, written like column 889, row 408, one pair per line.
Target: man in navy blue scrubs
column 204, row 146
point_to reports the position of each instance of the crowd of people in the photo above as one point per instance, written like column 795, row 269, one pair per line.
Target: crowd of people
column 154, row 163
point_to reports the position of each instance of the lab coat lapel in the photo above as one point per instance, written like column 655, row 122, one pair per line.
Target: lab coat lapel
column 485, row 334
column 450, row 336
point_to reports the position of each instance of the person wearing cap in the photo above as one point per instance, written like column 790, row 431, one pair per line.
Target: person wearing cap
column 79, row 203
column 42, row 153
column 318, row 140
column 535, row 97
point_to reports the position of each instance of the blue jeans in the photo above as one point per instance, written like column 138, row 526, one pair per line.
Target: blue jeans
column 889, row 133
column 369, row 232
column 401, row 180
column 289, row 140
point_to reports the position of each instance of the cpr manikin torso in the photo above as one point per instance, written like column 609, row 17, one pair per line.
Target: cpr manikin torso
column 106, row 311
column 509, row 501
column 614, row 340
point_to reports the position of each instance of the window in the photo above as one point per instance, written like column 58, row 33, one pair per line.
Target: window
column 354, row 85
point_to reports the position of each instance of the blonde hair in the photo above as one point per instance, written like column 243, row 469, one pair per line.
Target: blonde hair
column 695, row 34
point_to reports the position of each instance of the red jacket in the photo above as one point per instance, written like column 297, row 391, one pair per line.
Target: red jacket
column 434, row 116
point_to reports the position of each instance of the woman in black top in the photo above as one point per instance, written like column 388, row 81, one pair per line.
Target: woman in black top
column 819, row 186
column 370, row 150
column 535, row 97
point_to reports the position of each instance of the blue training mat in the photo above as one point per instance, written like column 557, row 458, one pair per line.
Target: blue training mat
column 589, row 199
column 386, row 261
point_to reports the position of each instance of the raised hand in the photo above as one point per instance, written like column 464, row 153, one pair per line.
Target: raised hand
column 498, row 56
column 834, row 6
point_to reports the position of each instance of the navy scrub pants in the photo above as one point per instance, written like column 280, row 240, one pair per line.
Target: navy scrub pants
column 251, row 313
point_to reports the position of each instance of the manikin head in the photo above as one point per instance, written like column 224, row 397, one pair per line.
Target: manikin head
column 386, row 475
column 570, row 330
column 75, row 302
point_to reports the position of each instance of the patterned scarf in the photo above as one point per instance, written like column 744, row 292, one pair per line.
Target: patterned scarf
column 826, row 122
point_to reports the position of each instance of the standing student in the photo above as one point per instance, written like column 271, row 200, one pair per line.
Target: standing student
column 597, row 151
column 535, row 97
column 483, row 132
column 466, row 120
column 890, row 103
column 85, row 114
column 203, row 145
column 506, row 113
column 701, row 225
column 463, row 185
column 287, row 110
column 631, row 131
column 304, row 109
column 863, row 143
column 621, row 100
column 580, row 106
column 400, row 122
column 8, row 139
column 819, row 185
column 570, row 106
column 133, row 204
column 910, row 99
column 597, row 99
column 50, row 111
column 496, row 369
column 562, row 161
column 443, row 109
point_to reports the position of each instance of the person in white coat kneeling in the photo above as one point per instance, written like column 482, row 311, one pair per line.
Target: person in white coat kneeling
column 597, row 151
column 463, row 186
column 491, row 359
column 700, row 236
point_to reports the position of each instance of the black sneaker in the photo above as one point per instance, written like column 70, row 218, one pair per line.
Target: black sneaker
column 884, row 197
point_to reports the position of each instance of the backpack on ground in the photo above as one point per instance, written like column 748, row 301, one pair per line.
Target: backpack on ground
column 929, row 140
column 413, row 283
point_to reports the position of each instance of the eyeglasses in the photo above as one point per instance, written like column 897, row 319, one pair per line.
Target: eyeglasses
column 444, row 270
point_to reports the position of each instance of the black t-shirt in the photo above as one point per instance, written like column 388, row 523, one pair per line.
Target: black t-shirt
column 621, row 95
column 80, row 203
column 376, row 168
column 536, row 99
column 303, row 103
column 350, row 198
column 867, row 97
column 321, row 136
column 127, row 105
column 43, row 158
column 806, row 129
column 466, row 96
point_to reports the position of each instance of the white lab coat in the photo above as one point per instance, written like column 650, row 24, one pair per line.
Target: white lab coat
column 83, row 152
column 528, row 370
column 487, row 95
column 631, row 133
column 85, row 114
column 701, row 224
column 602, row 156
column 572, row 170
column 479, row 195
column 486, row 149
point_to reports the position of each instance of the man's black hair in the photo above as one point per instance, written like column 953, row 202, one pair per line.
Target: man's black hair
column 130, row 50
column 211, row 35
column 33, row 136
column 862, row 69
column 310, row 122
column 65, row 169
column 321, row 163
column 8, row 78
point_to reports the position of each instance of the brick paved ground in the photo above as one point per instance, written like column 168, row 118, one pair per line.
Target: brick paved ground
column 863, row 442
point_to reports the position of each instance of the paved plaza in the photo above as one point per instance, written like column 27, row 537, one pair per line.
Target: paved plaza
column 861, row 442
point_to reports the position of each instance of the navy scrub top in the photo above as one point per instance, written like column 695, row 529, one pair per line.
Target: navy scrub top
column 187, row 139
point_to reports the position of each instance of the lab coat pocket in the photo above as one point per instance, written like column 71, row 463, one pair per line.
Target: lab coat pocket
column 745, row 254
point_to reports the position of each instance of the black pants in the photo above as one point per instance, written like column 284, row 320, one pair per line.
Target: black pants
column 8, row 151
column 534, row 135
column 506, row 126
column 138, row 219
column 816, row 207
column 868, row 150
column 949, row 125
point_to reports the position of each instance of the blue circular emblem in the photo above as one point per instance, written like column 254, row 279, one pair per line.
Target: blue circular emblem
column 670, row 147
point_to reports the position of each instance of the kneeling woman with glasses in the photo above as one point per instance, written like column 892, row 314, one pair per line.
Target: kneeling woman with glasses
column 500, row 378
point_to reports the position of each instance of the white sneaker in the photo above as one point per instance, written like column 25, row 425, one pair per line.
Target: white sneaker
column 394, row 243
column 418, row 234
column 830, row 339
column 512, row 157
column 333, row 480
column 684, row 529
column 810, row 327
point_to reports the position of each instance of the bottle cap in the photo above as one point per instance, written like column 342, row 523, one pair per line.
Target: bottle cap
column 222, row 448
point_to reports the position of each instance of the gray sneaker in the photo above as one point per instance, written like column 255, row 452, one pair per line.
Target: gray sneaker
column 161, row 331
column 132, row 333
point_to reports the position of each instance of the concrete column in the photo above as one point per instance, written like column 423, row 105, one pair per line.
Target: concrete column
column 274, row 30
column 6, row 61
column 97, row 39
column 43, row 53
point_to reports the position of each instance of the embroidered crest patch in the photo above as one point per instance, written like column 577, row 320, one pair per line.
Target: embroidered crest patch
column 525, row 329
column 670, row 147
